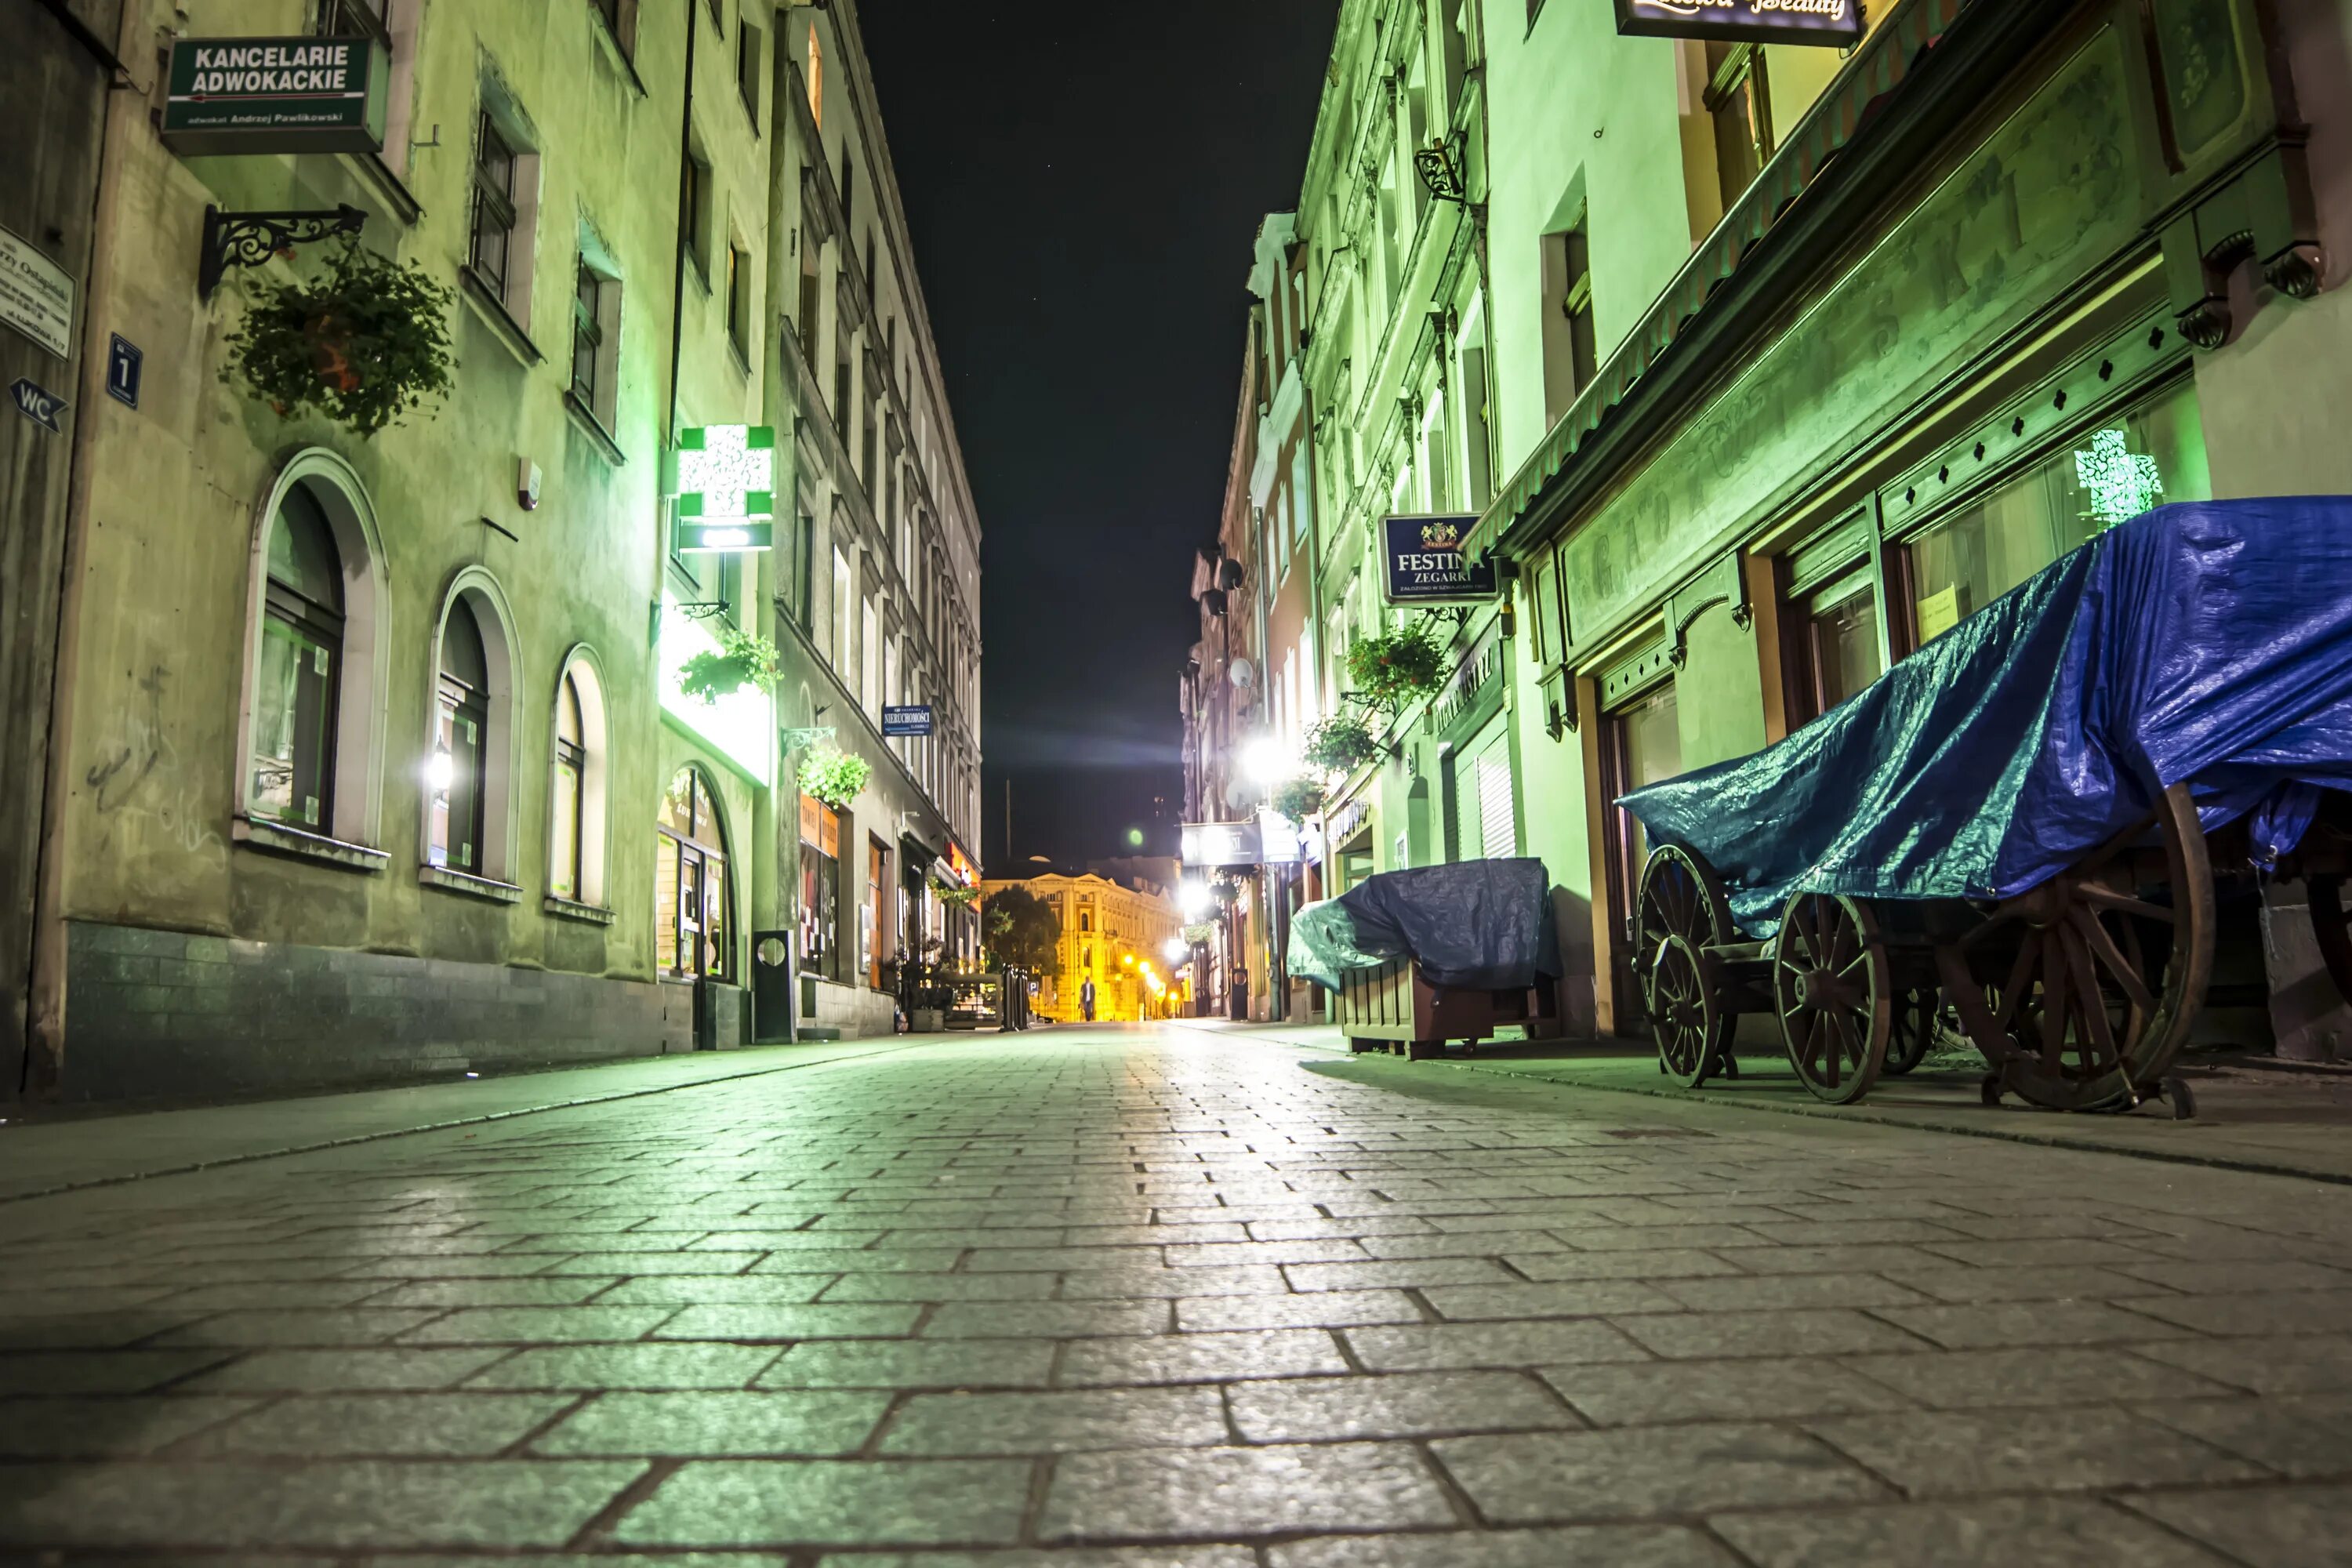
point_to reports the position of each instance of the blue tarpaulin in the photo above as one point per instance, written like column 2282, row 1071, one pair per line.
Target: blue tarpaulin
column 1472, row 925
column 2207, row 642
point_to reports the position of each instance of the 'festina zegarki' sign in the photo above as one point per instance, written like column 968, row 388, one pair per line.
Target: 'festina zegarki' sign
column 1831, row 22
column 276, row 95
column 1426, row 564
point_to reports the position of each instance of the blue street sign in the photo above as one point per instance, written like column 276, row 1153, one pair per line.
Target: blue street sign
column 915, row 719
column 123, row 365
column 38, row 404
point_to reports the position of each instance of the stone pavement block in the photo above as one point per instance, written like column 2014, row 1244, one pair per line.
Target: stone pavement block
column 1771, row 1292
column 1058, row 1423
column 1288, row 1309
column 334, row 1505
column 2090, row 1375
column 2279, row 1312
column 1047, row 1319
column 1798, row 1331
column 346, row 1371
column 1951, row 1453
column 912, row 1364
column 1666, row 1263
column 1200, row 1358
column 1427, row 1347
column 1058, row 1259
column 531, row 1292
column 2302, row 1437
column 1617, row 1237
column 89, row 1330
column 1398, row 1272
column 1165, row 1283
column 821, row 1321
column 1598, row 1545
column 99, row 1371
column 380, row 1426
column 696, row 1290
column 1213, row 1492
column 641, row 1263
column 717, row 1424
column 542, row 1325
column 653, row 1366
column 1575, row 1299
column 1756, row 1256
column 1189, row 1254
column 839, row 1260
column 2040, row 1254
column 282, row 1293
column 1561, row 1476
column 1947, row 1283
column 88, row 1428
column 1759, row 1390
column 942, row 1287
column 1989, row 1324
column 901, row 1502
column 2038, row 1532
column 2263, row 1527
column 1193, row 1556
column 2205, row 1278
column 1402, row 1404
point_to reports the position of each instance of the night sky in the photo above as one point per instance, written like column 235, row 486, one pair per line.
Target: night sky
column 1084, row 183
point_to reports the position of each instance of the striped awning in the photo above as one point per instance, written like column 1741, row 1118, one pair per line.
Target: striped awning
column 1885, row 60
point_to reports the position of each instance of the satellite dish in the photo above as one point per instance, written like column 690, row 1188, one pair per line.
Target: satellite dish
column 1245, row 674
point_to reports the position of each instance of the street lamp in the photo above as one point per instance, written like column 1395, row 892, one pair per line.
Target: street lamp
column 1192, row 898
column 1178, row 949
column 1268, row 759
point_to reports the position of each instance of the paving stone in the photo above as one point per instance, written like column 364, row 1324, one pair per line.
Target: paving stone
column 2281, row 1312
column 1991, row 1323
column 1202, row 1358
column 529, row 1325
column 330, row 1505
column 717, row 1424
column 1575, row 1299
column 2056, row 1375
column 1824, row 1331
column 2217, row 1279
column 2265, row 1527
column 2045, row 1532
column 1561, row 1476
column 1057, row 1423
column 1663, row 1263
column 2038, row 1254
column 2302, row 1364
column 90, row 1330
column 912, row 1364
column 1949, row 1453
column 1166, row 1283
column 1948, row 1283
column 88, row 1428
column 343, row 1371
column 1049, row 1320
column 1399, row 1273
column 653, row 1366
column 901, row 1502
column 380, row 1426
column 1423, row 1347
column 536, row 1290
column 716, row 1289
column 100, row 1371
column 1288, row 1309
column 1403, row 1405
column 1768, row 1292
column 2308, row 1437
column 1213, row 1492
column 1614, row 1546
column 1193, row 1556
column 894, row 1286
column 1761, row 1389
column 821, row 1321
column 634, row 1263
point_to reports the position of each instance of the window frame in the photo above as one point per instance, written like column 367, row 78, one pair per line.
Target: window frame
column 493, row 805
column 707, row 857
column 498, row 203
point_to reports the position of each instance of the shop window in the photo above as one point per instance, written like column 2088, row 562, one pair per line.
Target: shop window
column 576, row 857
column 820, row 886
column 1641, row 745
column 694, row 912
column 456, row 770
column 1971, row 557
column 1837, row 627
column 1739, row 101
column 1571, row 352
column 301, row 662
column 877, row 957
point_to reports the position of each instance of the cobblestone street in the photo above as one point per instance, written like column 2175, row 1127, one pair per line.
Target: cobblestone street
column 1151, row 1298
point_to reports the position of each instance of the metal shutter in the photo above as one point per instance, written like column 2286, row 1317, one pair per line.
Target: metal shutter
column 1499, row 833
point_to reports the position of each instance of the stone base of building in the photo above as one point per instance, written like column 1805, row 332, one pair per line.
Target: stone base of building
column 159, row 1015
column 857, row 1011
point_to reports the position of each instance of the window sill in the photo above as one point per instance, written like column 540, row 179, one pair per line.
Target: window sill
column 493, row 313
column 468, row 885
column 261, row 833
column 566, row 908
column 593, row 427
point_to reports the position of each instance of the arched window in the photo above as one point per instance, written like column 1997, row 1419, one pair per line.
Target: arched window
column 469, row 760
column 694, row 931
column 575, row 850
column 302, row 658
column 312, row 725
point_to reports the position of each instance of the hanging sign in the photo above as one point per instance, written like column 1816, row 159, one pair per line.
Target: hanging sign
column 38, row 404
column 1834, row 23
column 722, row 478
column 909, row 719
column 1221, row 843
column 276, row 95
column 1426, row 564
column 36, row 295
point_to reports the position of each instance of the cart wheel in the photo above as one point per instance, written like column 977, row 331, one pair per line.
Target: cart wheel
column 2331, row 925
column 1680, row 895
column 2181, row 1098
column 1915, row 1028
column 1989, row 1090
column 2080, row 992
column 1834, row 994
column 1683, row 1011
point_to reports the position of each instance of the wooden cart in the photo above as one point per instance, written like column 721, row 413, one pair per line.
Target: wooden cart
column 1392, row 1007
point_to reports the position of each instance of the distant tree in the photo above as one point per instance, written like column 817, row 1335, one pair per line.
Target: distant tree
column 1021, row 927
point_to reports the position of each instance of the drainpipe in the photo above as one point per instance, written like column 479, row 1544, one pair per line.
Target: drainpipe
column 45, row 1010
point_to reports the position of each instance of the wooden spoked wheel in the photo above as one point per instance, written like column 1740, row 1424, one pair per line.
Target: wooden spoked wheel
column 2080, row 992
column 1680, row 896
column 1684, row 1012
column 1835, row 992
column 1915, row 1028
column 2331, row 926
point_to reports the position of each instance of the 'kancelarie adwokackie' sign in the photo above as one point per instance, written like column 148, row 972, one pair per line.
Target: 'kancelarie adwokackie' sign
column 276, row 95
column 1426, row 564
column 1831, row 23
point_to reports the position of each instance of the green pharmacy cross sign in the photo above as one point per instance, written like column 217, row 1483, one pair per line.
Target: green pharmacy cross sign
column 276, row 95
column 722, row 482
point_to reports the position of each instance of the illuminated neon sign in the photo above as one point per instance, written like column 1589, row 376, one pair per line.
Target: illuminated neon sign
column 722, row 482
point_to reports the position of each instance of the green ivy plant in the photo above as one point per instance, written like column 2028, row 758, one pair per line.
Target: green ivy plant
column 742, row 659
column 834, row 777
column 1389, row 670
column 1342, row 744
column 1298, row 798
column 961, row 898
column 364, row 343
column 1199, row 933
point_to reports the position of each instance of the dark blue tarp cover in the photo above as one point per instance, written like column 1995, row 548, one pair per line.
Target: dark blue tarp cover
column 2210, row 642
column 1474, row 925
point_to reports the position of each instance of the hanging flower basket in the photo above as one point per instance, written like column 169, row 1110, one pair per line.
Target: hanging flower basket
column 834, row 777
column 365, row 345
column 1199, row 933
column 1342, row 744
column 742, row 659
column 1389, row 670
column 1298, row 798
column 961, row 898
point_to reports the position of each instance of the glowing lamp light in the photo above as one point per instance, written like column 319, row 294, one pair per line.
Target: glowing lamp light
column 1267, row 760
column 1177, row 951
column 728, row 538
column 1192, row 898
column 440, row 770
column 724, row 471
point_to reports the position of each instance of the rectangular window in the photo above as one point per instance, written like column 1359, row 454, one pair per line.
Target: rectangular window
column 748, row 39
column 878, row 882
column 455, row 806
column 294, row 720
column 812, row 267
column 1571, row 355
column 615, row 14
column 588, row 338
column 368, row 19
column 739, row 297
column 1838, row 627
column 842, row 594
column 804, row 575
column 820, row 885
column 1477, row 424
column 494, row 208
column 693, row 214
column 1739, row 102
column 815, row 79
column 869, row 670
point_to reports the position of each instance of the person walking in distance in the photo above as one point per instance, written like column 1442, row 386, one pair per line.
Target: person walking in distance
column 1086, row 997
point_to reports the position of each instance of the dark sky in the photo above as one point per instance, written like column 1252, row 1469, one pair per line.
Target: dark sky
column 1084, row 183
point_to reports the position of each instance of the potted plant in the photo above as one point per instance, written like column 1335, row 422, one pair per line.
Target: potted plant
column 742, row 659
column 364, row 343
column 1298, row 798
column 1342, row 744
column 1389, row 670
column 961, row 898
column 834, row 777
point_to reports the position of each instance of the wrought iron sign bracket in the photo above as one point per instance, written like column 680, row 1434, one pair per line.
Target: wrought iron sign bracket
column 1441, row 167
column 248, row 240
